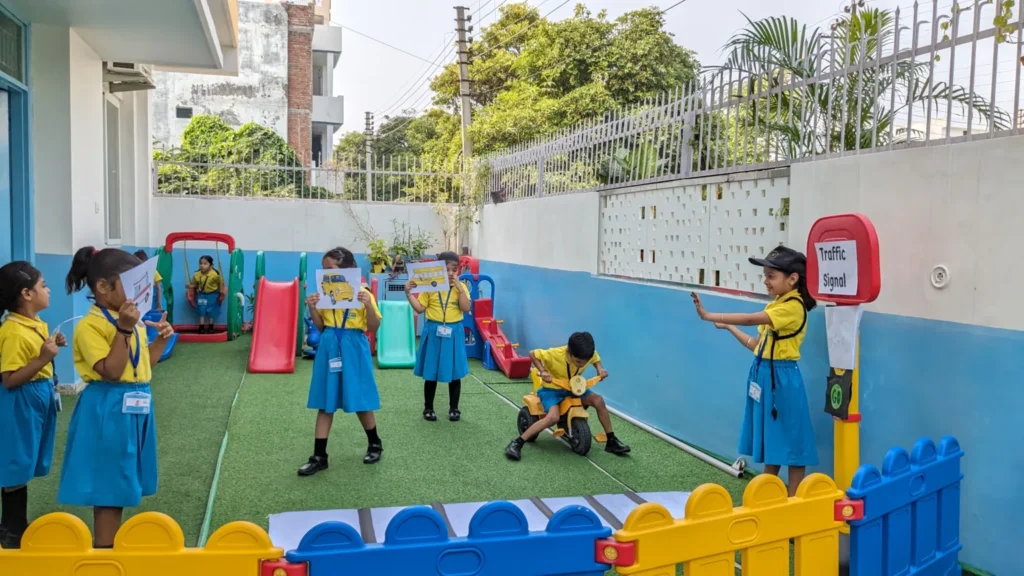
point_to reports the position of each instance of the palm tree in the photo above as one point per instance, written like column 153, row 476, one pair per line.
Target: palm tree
column 806, row 93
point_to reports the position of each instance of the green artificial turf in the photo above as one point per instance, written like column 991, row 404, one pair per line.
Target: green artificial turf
column 192, row 393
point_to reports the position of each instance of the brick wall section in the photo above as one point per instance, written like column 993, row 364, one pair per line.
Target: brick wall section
column 300, row 79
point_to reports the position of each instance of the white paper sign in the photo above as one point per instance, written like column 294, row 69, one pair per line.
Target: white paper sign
column 841, row 325
column 837, row 267
column 429, row 276
column 338, row 288
column 138, row 285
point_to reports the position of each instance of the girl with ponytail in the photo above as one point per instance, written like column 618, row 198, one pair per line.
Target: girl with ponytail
column 110, row 457
column 28, row 401
column 776, row 421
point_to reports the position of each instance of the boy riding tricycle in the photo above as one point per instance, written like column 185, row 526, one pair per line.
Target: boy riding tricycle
column 561, row 397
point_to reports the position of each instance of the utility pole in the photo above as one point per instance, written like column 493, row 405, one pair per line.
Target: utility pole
column 461, row 29
column 369, row 156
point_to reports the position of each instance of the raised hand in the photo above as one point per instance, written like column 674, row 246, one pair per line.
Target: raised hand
column 364, row 297
column 163, row 329
column 313, row 299
column 409, row 286
column 60, row 339
column 701, row 312
column 49, row 350
column 127, row 316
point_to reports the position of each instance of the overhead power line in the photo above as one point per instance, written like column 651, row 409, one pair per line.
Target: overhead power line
column 379, row 41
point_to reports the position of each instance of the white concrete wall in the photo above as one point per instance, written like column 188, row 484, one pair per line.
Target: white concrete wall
column 957, row 205
column 51, row 124
column 287, row 225
column 86, row 137
column 258, row 94
column 557, row 232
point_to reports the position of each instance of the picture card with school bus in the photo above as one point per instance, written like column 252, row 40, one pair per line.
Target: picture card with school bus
column 138, row 285
column 338, row 288
column 428, row 276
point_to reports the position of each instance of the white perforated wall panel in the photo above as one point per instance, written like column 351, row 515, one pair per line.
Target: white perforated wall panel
column 694, row 233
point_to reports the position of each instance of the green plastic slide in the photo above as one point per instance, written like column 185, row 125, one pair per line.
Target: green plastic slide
column 396, row 337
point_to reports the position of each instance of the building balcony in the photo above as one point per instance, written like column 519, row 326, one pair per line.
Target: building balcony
column 200, row 36
column 329, row 110
column 327, row 38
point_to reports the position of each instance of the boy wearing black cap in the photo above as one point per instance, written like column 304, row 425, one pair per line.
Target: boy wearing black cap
column 776, row 421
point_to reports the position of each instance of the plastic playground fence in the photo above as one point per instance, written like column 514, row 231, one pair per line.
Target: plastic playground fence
column 902, row 520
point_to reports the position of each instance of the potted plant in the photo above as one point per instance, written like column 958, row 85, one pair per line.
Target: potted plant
column 378, row 255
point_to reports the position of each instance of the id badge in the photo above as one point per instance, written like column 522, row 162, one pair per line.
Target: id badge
column 334, row 365
column 58, row 402
column 201, row 301
column 136, row 403
column 754, row 392
column 444, row 331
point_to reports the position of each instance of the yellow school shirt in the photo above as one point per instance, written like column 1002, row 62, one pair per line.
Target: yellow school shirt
column 787, row 318
column 157, row 277
column 356, row 316
column 556, row 362
column 436, row 311
column 21, row 338
column 207, row 283
column 94, row 336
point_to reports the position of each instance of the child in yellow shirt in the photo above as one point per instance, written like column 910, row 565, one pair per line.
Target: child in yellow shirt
column 777, row 427
column 343, row 368
column 110, row 459
column 210, row 293
column 28, row 402
column 442, row 353
column 563, row 363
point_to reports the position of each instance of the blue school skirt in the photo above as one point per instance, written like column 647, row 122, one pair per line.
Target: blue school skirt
column 442, row 359
column 354, row 389
column 207, row 305
column 789, row 439
column 110, row 457
column 28, row 425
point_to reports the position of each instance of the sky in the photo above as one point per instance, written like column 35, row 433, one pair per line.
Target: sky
column 373, row 77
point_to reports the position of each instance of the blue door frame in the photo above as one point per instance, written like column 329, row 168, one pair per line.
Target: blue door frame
column 20, row 106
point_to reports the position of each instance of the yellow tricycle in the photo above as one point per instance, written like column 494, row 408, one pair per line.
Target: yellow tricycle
column 572, row 422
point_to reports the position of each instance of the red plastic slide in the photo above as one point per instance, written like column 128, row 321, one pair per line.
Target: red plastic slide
column 513, row 365
column 274, row 325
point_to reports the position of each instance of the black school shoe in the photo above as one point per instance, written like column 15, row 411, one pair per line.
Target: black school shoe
column 315, row 464
column 373, row 453
column 615, row 446
column 429, row 415
column 9, row 540
column 454, row 415
column 514, row 450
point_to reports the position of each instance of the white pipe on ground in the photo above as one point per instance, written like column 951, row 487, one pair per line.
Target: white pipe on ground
column 734, row 470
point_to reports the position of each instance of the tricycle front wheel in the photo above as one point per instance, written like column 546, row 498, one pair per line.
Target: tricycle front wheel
column 526, row 420
column 579, row 436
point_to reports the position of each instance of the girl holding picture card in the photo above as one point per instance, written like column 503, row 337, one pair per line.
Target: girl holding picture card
column 442, row 352
column 343, row 368
column 110, row 458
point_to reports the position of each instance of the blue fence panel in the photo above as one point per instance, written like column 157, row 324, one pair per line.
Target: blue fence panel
column 911, row 523
column 499, row 544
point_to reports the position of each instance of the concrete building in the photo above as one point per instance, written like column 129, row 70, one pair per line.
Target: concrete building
column 75, row 139
column 288, row 52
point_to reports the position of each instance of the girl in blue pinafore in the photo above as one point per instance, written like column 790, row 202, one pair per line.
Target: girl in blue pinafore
column 110, row 457
column 776, row 420
column 210, row 293
column 28, row 402
column 343, row 368
column 442, row 353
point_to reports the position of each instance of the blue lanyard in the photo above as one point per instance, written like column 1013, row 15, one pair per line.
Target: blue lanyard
column 444, row 307
column 134, row 359
column 344, row 319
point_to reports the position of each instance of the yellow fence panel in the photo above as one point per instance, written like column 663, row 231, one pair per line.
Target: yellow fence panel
column 705, row 541
column 148, row 544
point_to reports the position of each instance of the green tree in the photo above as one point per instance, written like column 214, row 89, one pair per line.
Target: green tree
column 841, row 113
